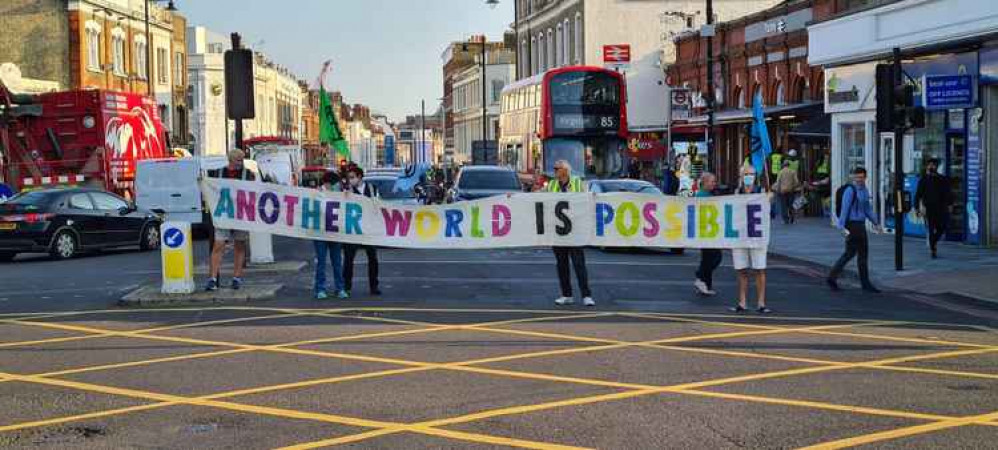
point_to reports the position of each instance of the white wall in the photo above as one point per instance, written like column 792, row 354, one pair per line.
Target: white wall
column 909, row 24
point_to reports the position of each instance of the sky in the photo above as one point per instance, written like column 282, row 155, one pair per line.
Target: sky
column 386, row 53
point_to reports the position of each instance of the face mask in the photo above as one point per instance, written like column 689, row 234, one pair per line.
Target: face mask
column 748, row 180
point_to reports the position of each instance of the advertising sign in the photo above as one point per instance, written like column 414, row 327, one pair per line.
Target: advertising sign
column 617, row 57
column 947, row 91
column 974, row 189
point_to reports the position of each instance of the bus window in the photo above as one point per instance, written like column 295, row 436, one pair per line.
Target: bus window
column 570, row 150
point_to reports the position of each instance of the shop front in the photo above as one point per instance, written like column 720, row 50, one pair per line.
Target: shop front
column 946, row 65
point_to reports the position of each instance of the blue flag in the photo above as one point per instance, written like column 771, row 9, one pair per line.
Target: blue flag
column 761, row 146
column 410, row 178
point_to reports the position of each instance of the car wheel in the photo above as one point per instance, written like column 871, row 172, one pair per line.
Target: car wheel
column 150, row 237
column 7, row 256
column 64, row 246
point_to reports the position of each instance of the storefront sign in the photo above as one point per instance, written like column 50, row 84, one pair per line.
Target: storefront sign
column 947, row 91
column 974, row 188
column 794, row 21
column 646, row 149
column 850, row 88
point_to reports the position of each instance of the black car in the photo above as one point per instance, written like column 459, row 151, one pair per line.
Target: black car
column 475, row 182
column 64, row 222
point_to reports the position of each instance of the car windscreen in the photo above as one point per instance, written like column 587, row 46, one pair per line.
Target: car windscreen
column 489, row 179
column 29, row 202
column 386, row 187
column 627, row 186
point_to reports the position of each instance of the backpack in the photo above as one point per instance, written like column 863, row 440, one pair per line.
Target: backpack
column 839, row 195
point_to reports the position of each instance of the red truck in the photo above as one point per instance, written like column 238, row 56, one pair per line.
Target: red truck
column 86, row 138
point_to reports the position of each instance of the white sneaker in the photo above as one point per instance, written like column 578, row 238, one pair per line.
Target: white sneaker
column 711, row 293
column 701, row 287
column 562, row 301
column 588, row 301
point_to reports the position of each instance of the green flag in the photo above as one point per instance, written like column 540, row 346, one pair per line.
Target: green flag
column 329, row 130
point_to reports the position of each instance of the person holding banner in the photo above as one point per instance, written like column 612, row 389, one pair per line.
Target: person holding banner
column 750, row 259
column 334, row 251
column 356, row 185
column 239, row 239
column 710, row 258
column 565, row 182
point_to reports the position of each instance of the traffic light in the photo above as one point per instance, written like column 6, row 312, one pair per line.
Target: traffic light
column 896, row 103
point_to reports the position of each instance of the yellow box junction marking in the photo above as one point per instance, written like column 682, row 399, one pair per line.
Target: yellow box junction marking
column 430, row 427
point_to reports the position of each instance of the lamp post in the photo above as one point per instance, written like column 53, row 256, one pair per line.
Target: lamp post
column 169, row 7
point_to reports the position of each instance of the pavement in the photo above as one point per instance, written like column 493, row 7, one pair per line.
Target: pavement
column 465, row 350
column 962, row 270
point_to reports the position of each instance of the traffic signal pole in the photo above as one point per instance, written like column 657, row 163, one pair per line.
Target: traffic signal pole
column 898, row 173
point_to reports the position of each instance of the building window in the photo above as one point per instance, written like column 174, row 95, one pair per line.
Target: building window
column 139, row 59
column 162, row 65
column 497, row 86
column 551, row 61
column 559, row 42
column 533, row 56
column 94, row 46
column 578, row 39
column 566, row 44
column 542, row 54
column 178, row 69
column 780, row 95
column 118, row 52
column 853, row 146
column 524, row 58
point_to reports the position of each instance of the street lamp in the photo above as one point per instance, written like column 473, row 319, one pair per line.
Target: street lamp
column 169, row 7
column 485, row 106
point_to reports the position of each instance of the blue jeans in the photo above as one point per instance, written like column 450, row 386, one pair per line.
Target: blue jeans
column 334, row 250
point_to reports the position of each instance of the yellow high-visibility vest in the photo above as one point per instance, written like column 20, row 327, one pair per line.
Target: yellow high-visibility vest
column 574, row 185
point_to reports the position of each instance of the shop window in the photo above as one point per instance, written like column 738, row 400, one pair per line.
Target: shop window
column 930, row 142
column 853, row 146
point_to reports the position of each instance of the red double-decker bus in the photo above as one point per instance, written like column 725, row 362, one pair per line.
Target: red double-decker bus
column 578, row 114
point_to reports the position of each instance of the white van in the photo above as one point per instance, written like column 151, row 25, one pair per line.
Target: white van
column 170, row 186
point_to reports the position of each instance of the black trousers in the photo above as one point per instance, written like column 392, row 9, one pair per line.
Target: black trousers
column 578, row 261
column 936, row 220
column 349, row 254
column 787, row 206
column 856, row 244
column 710, row 259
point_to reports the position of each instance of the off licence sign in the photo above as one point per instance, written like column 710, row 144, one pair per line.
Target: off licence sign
column 619, row 53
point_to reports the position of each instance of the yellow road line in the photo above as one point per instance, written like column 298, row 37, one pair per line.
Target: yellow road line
column 813, row 405
column 487, row 439
column 904, row 432
column 341, row 440
column 93, row 415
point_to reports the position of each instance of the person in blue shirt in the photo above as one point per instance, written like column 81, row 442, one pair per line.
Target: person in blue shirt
column 856, row 210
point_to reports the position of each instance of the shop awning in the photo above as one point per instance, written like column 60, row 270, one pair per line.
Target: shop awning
column 745, row 115
column 818, row 127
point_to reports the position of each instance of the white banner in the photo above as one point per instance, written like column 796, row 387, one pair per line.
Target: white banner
column 522, row 220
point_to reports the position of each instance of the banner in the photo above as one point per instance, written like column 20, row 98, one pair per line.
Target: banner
column 522, row 220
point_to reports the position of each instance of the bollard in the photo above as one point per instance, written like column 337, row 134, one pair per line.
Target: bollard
column 261, row 248
column 177, row 256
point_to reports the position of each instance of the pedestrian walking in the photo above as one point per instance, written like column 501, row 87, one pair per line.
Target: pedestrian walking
column 933, row 199
column 750, row 261
column 235, row 170
column 356, row 185
column 786, row 187
column 565, row 182
column 331, row 250
column 710, row 258
column 853, row 210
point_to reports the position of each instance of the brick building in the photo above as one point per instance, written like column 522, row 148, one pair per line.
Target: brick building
column 100, row 44
column 763, row 53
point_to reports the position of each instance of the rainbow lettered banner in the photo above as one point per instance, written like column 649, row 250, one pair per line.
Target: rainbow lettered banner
column 523, row 220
